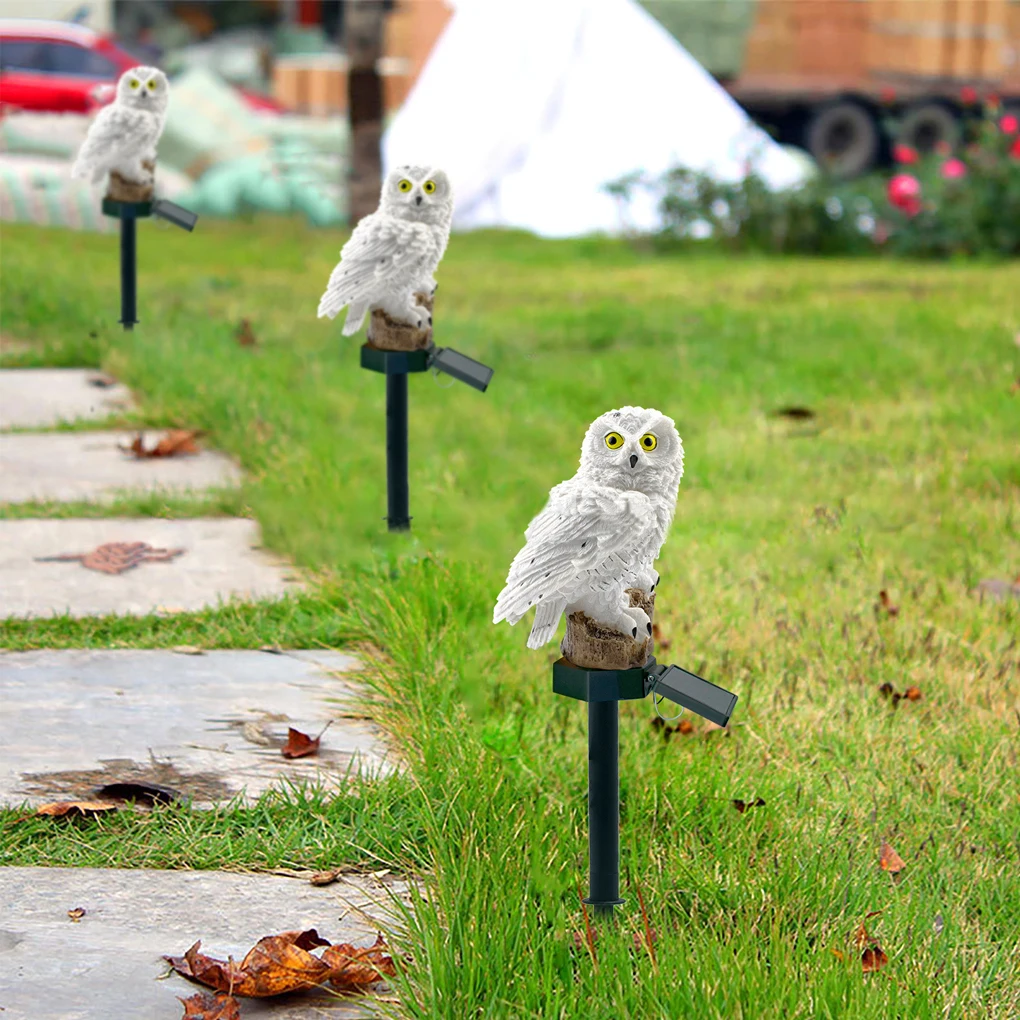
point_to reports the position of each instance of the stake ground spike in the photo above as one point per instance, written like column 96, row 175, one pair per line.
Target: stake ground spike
column 129, row 213
column 396, row 365
column 603, row 690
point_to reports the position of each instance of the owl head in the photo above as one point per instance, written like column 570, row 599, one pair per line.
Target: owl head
column 418, row 193
column 144, row 88
column 634, row 448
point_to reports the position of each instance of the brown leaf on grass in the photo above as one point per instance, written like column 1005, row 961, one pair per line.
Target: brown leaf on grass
column 890, row 860
column 76, row 914
column 61, row 808
column 886, row 689
column 275, row 965
column 742, row 807
column 203, row 1006
column 300, row 745
column 912, row 694
column 353, row 969
column 175, row 443
column 684, row 727
column 873, row 959
column 886, row 603
column 245, row 335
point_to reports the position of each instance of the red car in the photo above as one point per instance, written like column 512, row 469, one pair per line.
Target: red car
column 61, row 67
column 57, row 66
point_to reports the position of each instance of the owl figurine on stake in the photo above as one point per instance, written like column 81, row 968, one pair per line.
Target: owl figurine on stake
column 122, row 139
column 387, row 266
column 590, row 552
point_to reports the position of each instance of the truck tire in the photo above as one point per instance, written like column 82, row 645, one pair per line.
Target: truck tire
column 843, row 138
column 926, row 124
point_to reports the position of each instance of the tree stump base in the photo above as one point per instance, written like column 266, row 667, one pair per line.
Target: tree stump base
column 387, row 334
column 589, row 645
column 120, row 189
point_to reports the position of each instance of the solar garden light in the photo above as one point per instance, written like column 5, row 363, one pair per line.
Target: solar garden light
column 386, row 268
column 122, row 141
column 589, row 554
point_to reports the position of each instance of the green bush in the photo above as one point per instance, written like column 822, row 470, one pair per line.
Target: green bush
column 965, row 203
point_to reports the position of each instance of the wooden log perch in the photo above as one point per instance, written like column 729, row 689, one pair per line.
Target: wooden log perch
column 120, row 189
column 592, row 646
column 388, row 334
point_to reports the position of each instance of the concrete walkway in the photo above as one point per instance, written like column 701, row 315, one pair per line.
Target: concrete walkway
column 221, row 559
column 209, row 726
column 65, row 466
column 109, row 966
column 34, row 397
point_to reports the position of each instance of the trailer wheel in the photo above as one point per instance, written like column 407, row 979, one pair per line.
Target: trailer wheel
column 843, row 138
column 925, row 125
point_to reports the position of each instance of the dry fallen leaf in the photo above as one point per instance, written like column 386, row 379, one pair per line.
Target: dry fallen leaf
column 76, row 914
column 742, row 807
column 279, row 964
column 684, row 727
column 245, row 335
column 203, row 1006
column 300, row 745
column 173, row 444
column 353, row 969
column 60, row 808
column 115, row 557
column 886, row 603
column 327, row 877
column 873, row 959
column 912, row 693
column 891, row 860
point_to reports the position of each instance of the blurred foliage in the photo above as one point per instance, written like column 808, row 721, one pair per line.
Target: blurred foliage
column 967, row 203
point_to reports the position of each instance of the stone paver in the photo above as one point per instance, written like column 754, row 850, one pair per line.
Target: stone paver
column 34, row 397
column 107, row 965
column 221, row 559
column 65, row 466
column 210, row 726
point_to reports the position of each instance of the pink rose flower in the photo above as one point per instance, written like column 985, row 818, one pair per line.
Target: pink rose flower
column 954, row 169
column 904, row 192
column 1015, row 149
column 904, row 154
column 1009, row 124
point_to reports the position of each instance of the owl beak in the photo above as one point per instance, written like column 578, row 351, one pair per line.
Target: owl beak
column 417, row 201
column 633, row 459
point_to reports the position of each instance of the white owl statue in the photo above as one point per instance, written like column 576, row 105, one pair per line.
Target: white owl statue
column 126, row 132
column 393, row 252
column 601, row 530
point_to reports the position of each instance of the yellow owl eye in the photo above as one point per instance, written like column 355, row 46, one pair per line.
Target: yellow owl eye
column 152, row 85
column 614, row 440
column 405, row 186
column 428, row 187
column 135, row 83
column 648, row 441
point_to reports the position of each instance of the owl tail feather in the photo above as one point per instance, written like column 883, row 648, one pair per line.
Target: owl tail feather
column 355, row 317
column 547, row 619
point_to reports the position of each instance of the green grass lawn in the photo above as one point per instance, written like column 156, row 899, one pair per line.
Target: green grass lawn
column 906, row 480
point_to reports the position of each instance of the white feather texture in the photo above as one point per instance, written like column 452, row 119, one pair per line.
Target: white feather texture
column 601, row 530
column 393, row 252
column 126, row 132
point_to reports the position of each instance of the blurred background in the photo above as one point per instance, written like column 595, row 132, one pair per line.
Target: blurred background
column 282, row 105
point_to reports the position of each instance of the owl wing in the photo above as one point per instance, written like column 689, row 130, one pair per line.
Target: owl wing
column 380, row 255
column 581, row 535
column 113, row 125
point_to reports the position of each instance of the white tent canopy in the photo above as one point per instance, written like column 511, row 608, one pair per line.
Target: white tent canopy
column 531, row 107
